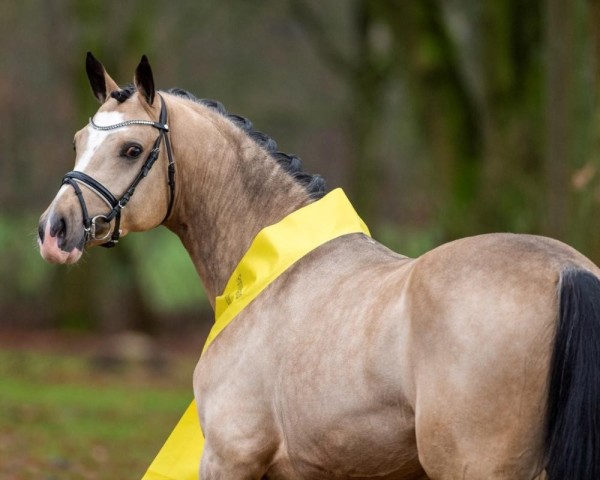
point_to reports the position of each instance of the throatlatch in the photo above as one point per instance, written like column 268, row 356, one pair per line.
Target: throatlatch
column 93, row 226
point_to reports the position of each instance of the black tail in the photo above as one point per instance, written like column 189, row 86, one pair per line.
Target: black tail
column 573, row 420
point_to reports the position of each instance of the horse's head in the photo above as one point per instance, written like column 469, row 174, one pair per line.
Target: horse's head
column 113, row 188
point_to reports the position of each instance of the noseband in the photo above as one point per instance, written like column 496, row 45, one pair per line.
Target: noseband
column 91, row 225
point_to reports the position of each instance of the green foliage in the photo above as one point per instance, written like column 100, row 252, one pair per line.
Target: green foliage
column 440, row 118
column 165, row 272
column 411, row 241
column 22, row 264
column 159, row 266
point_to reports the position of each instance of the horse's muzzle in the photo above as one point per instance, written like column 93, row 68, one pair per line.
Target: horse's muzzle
column 58, row 241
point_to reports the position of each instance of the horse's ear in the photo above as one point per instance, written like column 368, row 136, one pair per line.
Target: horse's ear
column 144, row 81
column 100, row 81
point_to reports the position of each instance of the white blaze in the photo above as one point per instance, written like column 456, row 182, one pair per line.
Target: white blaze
column 94, row 140
column 96, row 137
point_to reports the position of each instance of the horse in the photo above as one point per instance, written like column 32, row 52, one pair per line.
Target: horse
column 479, row 359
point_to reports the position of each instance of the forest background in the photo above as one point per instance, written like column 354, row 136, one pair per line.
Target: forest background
column 440, row 118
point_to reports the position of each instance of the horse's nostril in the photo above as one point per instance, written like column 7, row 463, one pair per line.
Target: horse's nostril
column 62, row 229
column 59, row 228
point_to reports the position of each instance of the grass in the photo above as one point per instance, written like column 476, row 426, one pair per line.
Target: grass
column 61, row 418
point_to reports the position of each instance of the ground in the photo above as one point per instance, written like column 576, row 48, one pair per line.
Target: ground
column 80, row 406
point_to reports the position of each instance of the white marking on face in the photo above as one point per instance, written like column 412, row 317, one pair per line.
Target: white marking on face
column 96, row 137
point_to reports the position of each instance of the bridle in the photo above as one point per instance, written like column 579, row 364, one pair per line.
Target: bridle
column 74, row 178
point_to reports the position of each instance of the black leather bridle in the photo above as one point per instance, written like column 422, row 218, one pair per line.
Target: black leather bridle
column 91, row 225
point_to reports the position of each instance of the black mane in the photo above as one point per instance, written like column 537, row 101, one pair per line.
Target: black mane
column 314, row 184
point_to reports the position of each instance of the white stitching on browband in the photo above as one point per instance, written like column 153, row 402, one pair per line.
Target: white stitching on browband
column 126, row 123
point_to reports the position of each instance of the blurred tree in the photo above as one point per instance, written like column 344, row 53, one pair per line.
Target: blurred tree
column 451, row 117
column 94, row 296
column 586, row 180
column 367, row 69
column 473, row 75
column 473, row 71
column 443, row 103
column 560, row 82
column 580, row 54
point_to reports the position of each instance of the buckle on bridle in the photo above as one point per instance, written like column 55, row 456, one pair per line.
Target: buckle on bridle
column 94, row 228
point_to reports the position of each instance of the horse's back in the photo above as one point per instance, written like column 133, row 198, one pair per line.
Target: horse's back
column 356, row 356
column 483, row 314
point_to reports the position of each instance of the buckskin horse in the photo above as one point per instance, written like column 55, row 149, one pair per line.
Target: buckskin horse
column 478, row 360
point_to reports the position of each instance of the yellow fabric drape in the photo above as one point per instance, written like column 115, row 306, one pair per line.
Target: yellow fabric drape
column 271, row 253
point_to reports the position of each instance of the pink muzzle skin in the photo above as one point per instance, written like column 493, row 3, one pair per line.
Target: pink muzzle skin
column 51, row 252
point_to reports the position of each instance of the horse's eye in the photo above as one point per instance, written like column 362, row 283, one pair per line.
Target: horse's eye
column 132, row 151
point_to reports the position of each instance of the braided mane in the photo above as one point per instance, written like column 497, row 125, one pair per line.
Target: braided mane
column 314, row 184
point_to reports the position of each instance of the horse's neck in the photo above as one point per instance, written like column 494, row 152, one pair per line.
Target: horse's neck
column 228, row 190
